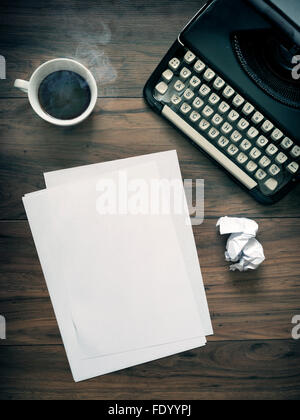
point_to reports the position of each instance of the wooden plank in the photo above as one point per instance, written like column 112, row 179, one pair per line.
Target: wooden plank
column 247, row 306
column 121, row 41
column 225, row 370
column 118, row 129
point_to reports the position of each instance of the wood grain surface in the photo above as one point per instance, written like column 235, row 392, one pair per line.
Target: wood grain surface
column 252, row 354
column 122, row 41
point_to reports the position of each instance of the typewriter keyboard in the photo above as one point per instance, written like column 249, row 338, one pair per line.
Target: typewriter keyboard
column 226, row 125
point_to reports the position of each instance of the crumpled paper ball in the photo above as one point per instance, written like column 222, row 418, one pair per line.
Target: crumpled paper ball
column 242, row 248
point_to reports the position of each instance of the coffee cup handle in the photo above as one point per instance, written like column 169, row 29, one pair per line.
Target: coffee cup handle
column 22, row 85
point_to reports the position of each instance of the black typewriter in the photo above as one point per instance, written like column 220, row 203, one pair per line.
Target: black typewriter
column 231, row 84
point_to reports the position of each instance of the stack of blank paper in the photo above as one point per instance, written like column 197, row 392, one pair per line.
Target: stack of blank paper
column 126, row 288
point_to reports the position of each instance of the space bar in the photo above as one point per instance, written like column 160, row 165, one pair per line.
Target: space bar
column 209, row 148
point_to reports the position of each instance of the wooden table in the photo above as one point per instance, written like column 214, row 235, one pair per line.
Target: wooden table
column 252, row 354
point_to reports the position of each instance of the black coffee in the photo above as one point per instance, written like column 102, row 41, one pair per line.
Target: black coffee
column 64, row 95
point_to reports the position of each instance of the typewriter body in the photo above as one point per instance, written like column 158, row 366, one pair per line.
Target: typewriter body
column 229, row 85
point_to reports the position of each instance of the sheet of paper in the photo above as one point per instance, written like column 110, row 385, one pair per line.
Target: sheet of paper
column 90, row 368
column 169, row 169
column 93, row 367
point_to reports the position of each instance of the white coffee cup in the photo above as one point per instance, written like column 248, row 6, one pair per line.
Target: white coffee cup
column 32, row 88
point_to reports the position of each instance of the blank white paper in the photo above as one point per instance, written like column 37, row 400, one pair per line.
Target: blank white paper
column 168, row 166
column 38, row 207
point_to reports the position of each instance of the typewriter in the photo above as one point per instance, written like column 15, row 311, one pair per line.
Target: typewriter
column 231, row 84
